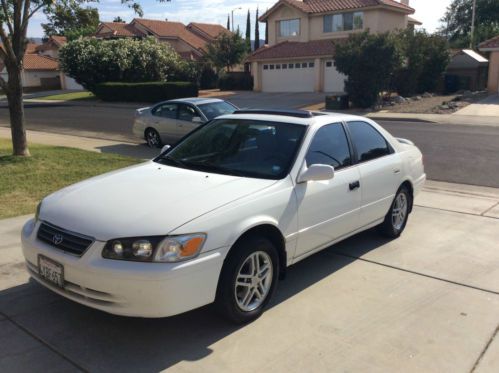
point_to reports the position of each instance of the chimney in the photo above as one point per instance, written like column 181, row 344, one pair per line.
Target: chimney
column 405, row 2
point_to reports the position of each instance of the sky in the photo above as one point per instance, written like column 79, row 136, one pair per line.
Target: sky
column 215, row 11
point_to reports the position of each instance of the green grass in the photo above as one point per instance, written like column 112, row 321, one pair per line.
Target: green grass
column 24, row 181
column 72, row 96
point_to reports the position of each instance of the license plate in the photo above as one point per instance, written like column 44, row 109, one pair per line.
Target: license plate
column 51, row 271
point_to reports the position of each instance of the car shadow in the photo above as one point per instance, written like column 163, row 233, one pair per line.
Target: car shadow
column 98, row 341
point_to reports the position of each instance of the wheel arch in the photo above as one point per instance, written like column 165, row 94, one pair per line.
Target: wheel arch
column 408, row 184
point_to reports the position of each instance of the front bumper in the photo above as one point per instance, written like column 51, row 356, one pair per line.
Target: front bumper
column 128, row 288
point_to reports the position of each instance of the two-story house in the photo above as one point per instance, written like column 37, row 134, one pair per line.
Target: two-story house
column 189, row 41
column 300, row 51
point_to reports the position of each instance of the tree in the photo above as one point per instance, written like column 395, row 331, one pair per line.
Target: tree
column 426, row 58
column 248, row 33
column 118, row 19
column 14, row 20
column 369, row 61
column 457, row 22
column 71, row 20
column 227, row 50
column 257, row 31
column 266, row 32
column 91, row 61
column 228, row 22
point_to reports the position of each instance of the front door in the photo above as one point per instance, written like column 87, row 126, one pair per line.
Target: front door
column 186, row 122
column 328, row 210
column 165, row 120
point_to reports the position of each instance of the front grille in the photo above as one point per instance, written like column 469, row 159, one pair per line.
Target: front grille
column 64, row 240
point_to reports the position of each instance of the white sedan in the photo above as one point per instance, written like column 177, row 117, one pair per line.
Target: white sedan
column 172, row 120
column 221, row 215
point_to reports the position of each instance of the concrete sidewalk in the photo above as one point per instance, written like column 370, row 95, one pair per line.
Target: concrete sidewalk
column 428, row 301
column 488, row 107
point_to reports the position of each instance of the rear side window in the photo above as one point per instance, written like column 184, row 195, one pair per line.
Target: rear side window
column 329, row 146
column 369, row 143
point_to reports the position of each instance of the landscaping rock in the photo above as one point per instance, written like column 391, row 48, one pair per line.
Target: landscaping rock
column 399, row 99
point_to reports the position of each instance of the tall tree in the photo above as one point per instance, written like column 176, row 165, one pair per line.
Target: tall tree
column 248, row 33
column 456, row 23
column 118, row 19
column 227, row 50
column 228, row 22
column 71, row 20
column 257, row 31
column 266, row 32
column 15, row 16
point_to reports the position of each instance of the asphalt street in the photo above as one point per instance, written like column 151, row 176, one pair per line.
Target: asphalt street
column 452, row 153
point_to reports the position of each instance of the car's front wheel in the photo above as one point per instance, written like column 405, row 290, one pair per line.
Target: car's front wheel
column 248, row 279
column 396, row 218
column 152, row 137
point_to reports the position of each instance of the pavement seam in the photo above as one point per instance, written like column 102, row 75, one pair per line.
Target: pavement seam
column 43, row 342
column 418, row 273
column 489, row 209
column 457, row 212
column 482, row 354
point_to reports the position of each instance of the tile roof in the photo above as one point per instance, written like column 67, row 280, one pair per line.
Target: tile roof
column 167, row 29
column 294, row 49
column 54, row 42
column 322, row 6
column 31, row 48
column 490, row 44
column 210, row 29
column 39, row 62
column 59, row 40
column 118, row 29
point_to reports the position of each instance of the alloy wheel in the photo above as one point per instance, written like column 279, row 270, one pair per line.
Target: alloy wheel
column 399, row 211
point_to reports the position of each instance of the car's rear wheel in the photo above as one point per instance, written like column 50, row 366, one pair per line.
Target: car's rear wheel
column 396, row 218
column 248, row 279
column 152, row 137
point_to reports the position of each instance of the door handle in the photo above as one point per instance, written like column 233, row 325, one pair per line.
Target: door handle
column 354, row 185
column 396, row 171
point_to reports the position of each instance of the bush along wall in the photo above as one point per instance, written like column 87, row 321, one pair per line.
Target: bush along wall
column 145, row 92
column 240, row 81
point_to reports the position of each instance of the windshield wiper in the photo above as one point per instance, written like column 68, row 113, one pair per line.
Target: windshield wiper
column 176, row 162
column 216, row 169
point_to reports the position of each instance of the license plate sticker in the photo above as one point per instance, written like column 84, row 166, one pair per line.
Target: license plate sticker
column 51, row 271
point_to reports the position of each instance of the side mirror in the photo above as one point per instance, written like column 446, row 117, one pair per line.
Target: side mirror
column 165, row 148
column 316, row 172
column 197, row 120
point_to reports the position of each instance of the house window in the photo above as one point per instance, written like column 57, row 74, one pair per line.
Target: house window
column 297, row 65
column 271, row 67
column 265, row 67
column 278, row 66
column 291, row 65
column 289, row 27
column 284, row 66
column 343, row 22
column 304, row 65
column 311, row 64
column 329, row 63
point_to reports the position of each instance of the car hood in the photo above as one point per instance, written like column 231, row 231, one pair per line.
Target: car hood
column 144, row 200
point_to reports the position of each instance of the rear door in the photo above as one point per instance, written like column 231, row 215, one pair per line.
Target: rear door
column 380, row 171
column 328, row 210
column 164, row 117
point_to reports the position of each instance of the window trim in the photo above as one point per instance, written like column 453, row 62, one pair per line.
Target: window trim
column 356, row 154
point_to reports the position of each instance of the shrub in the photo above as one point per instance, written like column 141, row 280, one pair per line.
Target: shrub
column 145, row 92
column 92, row 61
column 240, row 81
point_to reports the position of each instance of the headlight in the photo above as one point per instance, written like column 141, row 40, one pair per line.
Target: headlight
column 37, row 213
column 155, row 249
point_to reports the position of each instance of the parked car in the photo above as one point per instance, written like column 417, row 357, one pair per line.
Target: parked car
column 222, row 214
column 171, row 120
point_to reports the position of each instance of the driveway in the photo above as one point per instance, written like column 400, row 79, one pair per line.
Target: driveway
column 488, row 107
column 428, row 301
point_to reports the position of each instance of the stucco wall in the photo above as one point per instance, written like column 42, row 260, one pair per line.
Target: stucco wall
column 493, row 84
column 311, row 27
column 32, row 78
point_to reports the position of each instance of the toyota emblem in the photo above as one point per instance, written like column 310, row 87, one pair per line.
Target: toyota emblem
column 57, row 239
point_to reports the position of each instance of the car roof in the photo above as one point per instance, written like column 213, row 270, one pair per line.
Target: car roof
column 286, row 116
column 195, row 100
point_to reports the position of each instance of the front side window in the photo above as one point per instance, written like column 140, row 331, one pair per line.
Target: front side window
column 289, row 27
column 329, row 146
column 343, row 22
column 240, row 147
column 186, row 112
column 368, row 142
column 165, row 111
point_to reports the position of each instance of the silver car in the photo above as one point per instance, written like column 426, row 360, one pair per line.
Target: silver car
column 168, row 121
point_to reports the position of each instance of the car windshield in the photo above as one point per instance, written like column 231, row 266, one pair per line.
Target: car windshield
column 215, row 109
column 241, row 147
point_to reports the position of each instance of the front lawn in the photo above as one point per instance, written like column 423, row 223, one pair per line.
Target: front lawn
column 72, row 96
column 25, row 181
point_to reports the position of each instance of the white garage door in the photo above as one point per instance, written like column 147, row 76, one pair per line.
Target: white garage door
column 288, row 77
column 333, row 80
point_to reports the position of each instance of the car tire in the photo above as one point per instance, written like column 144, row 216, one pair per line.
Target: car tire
column 153, row 138
column 396, row 218
column 245, row 288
